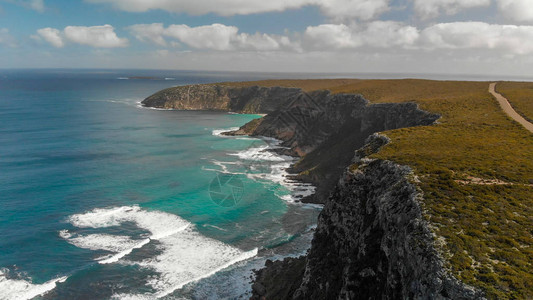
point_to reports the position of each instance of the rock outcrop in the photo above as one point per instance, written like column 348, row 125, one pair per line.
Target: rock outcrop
column 257, row 100
column 371, row 241
column 322, row 128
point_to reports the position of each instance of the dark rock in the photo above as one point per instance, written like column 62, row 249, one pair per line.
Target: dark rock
column 280, row 279
column 322, row 128
column 258, row 289
column 371, row 241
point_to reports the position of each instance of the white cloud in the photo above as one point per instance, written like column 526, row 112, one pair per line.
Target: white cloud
column 201, row 7
column 216, row 36
column 475, row 36
column 149, row 33
column 52, row 36
column 378, row 34
column 6, row 38
column 209, row 37
column 433, row 8
column 511, row 39
column 94, row 36
column 345, row 9
column 337, row 9
column 518, row 10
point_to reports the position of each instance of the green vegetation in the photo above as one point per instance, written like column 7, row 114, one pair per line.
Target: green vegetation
column 520, row 95
column 484, row 230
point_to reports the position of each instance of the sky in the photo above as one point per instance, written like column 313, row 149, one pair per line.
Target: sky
column 483, row 37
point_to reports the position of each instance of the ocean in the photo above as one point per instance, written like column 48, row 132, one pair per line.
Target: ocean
column 101, row 198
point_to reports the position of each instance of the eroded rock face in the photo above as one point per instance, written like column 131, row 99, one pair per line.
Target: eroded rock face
column 260, row 100
column 373, row 243
column 322, row 128
column 371, row 240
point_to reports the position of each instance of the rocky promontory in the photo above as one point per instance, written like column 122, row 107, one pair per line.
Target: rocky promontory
column 371, row 241
column 321, row 128
column 479, row 233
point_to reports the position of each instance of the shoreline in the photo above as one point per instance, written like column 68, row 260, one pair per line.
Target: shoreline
column 288, row 180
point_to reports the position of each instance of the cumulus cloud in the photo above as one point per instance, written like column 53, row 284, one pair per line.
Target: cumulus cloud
column 387, row 36
column 433, row 8
column 6, row 39
column 94, row 36
column 518, row 10
column 210, row 37
column 363, row 9
column 378, row 34
column 511, row 39
column 476, row 36
column 52, row 36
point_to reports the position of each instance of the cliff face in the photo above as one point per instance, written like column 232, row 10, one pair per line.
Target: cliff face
column 325, row 129
column 255, row 99
column 371, row 242
column 322, row 128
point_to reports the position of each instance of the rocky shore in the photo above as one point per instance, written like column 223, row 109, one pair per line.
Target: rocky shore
column 371, row 241
column 320, row 128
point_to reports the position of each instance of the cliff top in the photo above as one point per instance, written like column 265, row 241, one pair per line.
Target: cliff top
column 475, row 168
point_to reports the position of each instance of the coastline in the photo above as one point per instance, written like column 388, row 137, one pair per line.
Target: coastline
column 396, row 105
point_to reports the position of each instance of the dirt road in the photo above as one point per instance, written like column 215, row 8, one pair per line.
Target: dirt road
column 508, row 109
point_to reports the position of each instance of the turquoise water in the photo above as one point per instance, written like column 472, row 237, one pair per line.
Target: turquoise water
column 101, row 198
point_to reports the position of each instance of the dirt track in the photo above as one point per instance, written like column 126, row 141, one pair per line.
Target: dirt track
column 508, row 109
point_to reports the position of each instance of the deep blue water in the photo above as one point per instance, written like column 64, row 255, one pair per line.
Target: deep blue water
column 100, row 198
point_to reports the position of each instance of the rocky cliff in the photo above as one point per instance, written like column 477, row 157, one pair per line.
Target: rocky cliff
column 258, row 100
column 371, row 241
column 321, row 128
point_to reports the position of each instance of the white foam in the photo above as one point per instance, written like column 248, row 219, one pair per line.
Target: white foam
column 119, row 244
column 277, row 169
column 260, row 153
column 160, row 224
column 216, row 227
column 186, row 255
column 12, row 289
column 218, row 132
column 121, row 254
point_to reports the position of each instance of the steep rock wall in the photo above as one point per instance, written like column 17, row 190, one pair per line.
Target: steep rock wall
column 260, row 100
column 371, row 240
column 321, row 128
